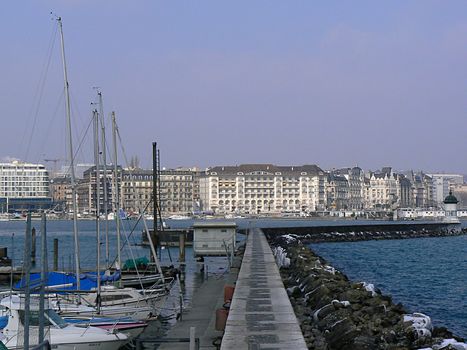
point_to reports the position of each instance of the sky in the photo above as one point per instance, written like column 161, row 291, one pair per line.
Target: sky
column 333, row 83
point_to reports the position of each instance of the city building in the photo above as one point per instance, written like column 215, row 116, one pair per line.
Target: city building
column 263, row 188
column 383, row 190
column 176, row 191
column 406, row 198
column 337, row 191
column 422, row 189
column 86, row 189
column 442, row 184
column 60, row 191
column 355, row 178
column 460, row 191
column 23, row 186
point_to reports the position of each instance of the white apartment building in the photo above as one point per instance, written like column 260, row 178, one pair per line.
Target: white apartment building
column 263, row 188
column 23, row 180
column 23, row 186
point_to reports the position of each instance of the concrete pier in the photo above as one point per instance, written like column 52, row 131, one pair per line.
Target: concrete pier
column 201, row 315
column 261, row 315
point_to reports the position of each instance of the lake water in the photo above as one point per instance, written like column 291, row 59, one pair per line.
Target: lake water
column 427, row 275
column 12, row 236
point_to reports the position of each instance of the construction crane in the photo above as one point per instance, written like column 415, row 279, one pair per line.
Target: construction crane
column 55, row 161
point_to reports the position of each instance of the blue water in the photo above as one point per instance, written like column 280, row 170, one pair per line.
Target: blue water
column 12, row 236
column 427, row 275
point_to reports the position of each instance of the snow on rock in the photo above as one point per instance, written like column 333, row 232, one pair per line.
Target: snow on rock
column 330, row 269
column 370, row 287
column 454, row 344
column 418, row 320
column 290, row 238
column 334, row 305
column 419, row 324
column 281, row 257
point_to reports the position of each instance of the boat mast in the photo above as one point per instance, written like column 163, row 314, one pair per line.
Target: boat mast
column 98, row 204
column 154, row 192
column 43, row 277
column 70, row 152
column 104, row 161
column 116, row 194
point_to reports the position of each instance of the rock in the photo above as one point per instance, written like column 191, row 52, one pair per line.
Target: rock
column 332, row 318
column 341, row 334
column 294, row 292
column 367, row 319
column 399, row 308
column 319, row 297
column 363, row 342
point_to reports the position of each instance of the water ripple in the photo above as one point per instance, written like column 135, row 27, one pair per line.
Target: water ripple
column 427, row 275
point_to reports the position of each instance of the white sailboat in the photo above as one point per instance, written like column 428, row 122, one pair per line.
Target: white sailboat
column 61, row 335
column 141, row 305
column 108, row 301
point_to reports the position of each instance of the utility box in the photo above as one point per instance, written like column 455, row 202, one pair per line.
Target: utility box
column 214, row 238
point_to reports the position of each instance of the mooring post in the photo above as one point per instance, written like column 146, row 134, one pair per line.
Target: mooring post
column 181, row 243
column 55, row 254
column 192, row 338
column 33, row 246
column 181, row 256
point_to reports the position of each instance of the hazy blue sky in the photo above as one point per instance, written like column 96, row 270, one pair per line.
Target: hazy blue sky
column 336, row 83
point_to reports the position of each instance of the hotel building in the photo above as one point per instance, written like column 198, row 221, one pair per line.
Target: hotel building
column 263, row 188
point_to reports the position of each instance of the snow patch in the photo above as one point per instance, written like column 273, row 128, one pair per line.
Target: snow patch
column 369, row 287
column 452, row 342
column 281, row 257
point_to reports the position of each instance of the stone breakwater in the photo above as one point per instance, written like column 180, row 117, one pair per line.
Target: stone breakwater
column 335, row 313
column 366, row 235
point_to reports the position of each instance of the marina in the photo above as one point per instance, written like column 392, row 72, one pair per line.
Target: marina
column 229, row 176
column 203, row 282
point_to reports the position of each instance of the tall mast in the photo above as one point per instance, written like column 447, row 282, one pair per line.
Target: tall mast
column 159, row 207
column 104, row 161
column 70, row 153
column 154, row 186
column 116, row 194
column 98, row 205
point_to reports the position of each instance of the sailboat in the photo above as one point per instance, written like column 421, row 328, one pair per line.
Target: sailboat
column 89, row 299
column 61, row 335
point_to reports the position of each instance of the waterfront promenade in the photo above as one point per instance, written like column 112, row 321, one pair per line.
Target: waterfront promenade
column 261, row 315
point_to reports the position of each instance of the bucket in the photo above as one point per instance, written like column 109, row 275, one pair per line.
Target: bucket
column 221, row 319
column 228, row 292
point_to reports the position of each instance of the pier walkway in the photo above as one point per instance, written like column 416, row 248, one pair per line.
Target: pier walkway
column 261, row 316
